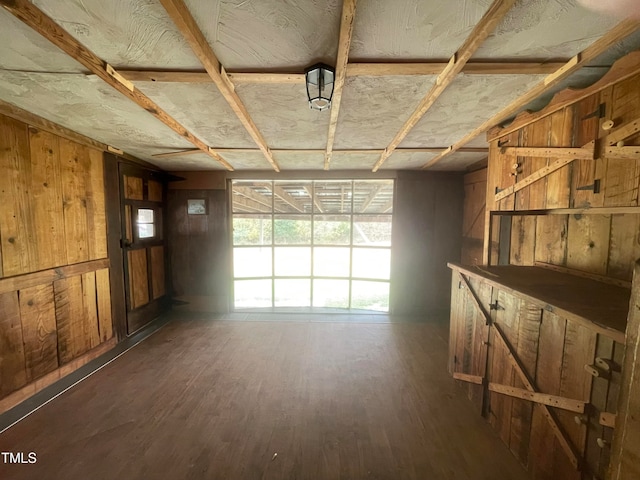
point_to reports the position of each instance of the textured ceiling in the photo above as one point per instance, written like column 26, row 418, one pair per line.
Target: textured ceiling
column 286, row 36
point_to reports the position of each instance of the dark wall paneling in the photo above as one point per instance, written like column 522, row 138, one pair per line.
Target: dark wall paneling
column 199, row 251
column 427, row 234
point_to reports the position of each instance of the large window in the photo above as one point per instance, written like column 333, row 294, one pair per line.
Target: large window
column 312, row 243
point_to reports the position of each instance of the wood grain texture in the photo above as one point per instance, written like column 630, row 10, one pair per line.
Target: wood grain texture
column 96, row 207
column 473, row 216
column 551, row 239
column 588, row 242
column 138, row 279
column 21, row 282
column 585, row 129
column 73, row 340
column 347, row 20
column 626, row 441
column 133, row 188
column 157, row 268
column 13, row 373
column 310, row 392
column 45, row 191
column 73, row 166
column 155, row 191
column 38, row 317
column 17, row 227
column 624, row 246
column 90, row 308
column 103, row 292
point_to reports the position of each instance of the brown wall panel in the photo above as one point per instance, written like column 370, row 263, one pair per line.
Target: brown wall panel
column 157, row 269
column 13, row 373
column 139, row 285
column 37, row 311
column 103, row 292
column 198, row 247
column 426, row 235
column 72, row 340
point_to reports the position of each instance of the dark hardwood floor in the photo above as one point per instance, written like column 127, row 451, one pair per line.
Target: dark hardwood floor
column 279, row 399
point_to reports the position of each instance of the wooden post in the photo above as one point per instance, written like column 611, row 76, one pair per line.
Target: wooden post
column 626, row 439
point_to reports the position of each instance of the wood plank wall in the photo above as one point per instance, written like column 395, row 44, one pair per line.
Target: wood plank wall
column 426, row 235
column 199, row 244
column 602, row 244
column 55, row 303
column 473, row 216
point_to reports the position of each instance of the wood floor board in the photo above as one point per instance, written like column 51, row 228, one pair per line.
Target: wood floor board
column 219, row 399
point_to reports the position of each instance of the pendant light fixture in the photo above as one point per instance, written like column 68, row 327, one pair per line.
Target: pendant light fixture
column 319, row 78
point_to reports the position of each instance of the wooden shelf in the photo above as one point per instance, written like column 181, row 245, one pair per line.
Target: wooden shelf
column 598, row 306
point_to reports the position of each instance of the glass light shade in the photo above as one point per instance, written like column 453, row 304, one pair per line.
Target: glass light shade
column 320, row 78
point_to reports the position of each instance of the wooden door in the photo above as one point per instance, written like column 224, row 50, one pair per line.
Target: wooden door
column 143, row 194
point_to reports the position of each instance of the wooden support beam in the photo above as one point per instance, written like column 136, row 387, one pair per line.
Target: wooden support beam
column 45, row 26
column 617, row 33
column 512, row 358
column 607, row 419
column 585, row 153
column 181, row 16
column 563, row 403
column 465, row 377
column 623, row 132
column 564, row 157
column 353, row 70
column 316, row 201
column 356, row 151
column 286, row 197
column 344, row 43
column 631, row 153
column 482, row 30
column 436, row 68
column 252, row 195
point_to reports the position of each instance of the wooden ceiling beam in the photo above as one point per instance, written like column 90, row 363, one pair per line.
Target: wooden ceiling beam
column 344, row 43
column 481, row 31
column 185, row 22
column 354, row 151
column 613, row 36
column 32, row 16
column 353, row 70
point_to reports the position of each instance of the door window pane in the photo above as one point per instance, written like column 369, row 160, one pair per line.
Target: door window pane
column 292, row 293
column 292, row 261
column 252, row 293
column 292, row 230
column 331, row 262
column 371, row 263
column 252, row 262
column 146, row 227
column 331, row 293
column 374, row 230
column 252, row 230
column 370, row 295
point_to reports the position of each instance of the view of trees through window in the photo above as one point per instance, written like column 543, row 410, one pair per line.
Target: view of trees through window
column 312, row 243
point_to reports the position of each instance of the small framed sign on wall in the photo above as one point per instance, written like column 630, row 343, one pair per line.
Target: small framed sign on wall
column 197, row 206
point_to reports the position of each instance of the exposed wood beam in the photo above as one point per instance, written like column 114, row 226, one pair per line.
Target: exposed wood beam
column 183, row 19
column 191, row 151
column 45, row 26
column 616, row 34
column 630, row 153
column 344, row 43
column 353, row 70
column 584, row 153
column 283, row 195
column 436, row 68
column 481, row 31
column 251, row 194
